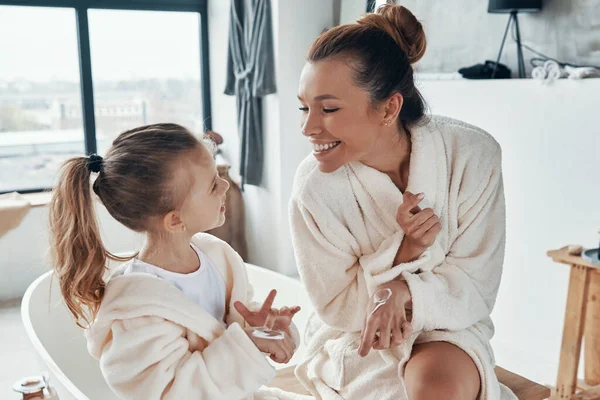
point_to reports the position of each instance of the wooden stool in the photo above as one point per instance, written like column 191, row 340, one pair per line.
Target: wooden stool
column 523, row 388
column 582, row 318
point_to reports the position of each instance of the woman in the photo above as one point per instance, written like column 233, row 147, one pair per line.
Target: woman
column 398, row 225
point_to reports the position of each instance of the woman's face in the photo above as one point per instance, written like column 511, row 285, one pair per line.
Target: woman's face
column 337, row 115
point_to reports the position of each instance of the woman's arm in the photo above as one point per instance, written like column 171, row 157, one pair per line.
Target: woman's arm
column 339, row 266
column 462, row 290
column 338, row 277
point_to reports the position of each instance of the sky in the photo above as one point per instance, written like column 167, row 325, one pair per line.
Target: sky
column 40, row 44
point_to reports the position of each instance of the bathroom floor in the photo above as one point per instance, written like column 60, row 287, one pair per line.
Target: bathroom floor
column 17, row 357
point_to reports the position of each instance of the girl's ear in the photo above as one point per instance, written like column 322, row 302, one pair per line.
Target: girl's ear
column 172, row 222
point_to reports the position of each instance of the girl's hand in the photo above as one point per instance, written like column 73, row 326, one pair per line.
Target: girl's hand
column 282, row 318
column 387, row 326
column 279, row 350
column 272, row 318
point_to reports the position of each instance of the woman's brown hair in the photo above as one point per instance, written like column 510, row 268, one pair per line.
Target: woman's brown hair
column 136, row 186
column 381, row 47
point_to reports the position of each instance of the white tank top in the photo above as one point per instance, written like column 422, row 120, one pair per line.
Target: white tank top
column 205, row 286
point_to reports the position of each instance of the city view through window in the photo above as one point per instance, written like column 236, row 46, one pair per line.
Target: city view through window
column 145, row 69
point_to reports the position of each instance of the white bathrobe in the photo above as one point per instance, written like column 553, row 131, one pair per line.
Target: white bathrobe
column 155, row 343
column 345, row 237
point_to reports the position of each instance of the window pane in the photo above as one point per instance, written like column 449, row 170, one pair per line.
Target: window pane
column 146, row 69
column 40, row 101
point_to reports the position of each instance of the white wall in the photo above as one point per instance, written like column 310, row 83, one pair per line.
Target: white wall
column 461, row 33
column 351, row 10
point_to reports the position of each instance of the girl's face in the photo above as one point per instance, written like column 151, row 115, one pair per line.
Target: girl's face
column 204, row 207
column 337, row 115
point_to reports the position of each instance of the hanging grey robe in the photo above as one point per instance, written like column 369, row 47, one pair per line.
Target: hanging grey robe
column 250, row 76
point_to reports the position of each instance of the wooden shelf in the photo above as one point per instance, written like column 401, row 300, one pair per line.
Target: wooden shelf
column 562, row 256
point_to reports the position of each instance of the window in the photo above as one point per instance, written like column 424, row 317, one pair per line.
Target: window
column 76, row 73
column 39, row 85
column 146, row 69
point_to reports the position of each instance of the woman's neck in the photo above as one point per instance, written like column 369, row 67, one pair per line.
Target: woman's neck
column 391, row 155
column 170, row 252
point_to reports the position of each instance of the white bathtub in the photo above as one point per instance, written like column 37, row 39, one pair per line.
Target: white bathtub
column 61, row 346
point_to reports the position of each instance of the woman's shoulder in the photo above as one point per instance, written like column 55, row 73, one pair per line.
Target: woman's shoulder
column 473, row 156
column 463, row 138
column 470, row 152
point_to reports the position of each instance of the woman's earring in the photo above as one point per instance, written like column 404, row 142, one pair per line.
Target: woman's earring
column 387, row 123
column 184, row 228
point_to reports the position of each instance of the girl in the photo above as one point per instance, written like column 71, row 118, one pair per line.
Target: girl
column 171, row 323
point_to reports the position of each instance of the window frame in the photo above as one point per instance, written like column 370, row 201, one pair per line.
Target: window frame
column 81, row 8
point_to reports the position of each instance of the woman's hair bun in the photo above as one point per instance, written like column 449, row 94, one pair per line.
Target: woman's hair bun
column 402, row 26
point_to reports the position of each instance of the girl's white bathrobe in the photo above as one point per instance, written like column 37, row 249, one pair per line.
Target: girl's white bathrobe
column 345, row 237
column 155, row 343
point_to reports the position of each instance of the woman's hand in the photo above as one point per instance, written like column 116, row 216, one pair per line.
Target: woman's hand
column 387, row 326
column 272, row 318
column 420, row 228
